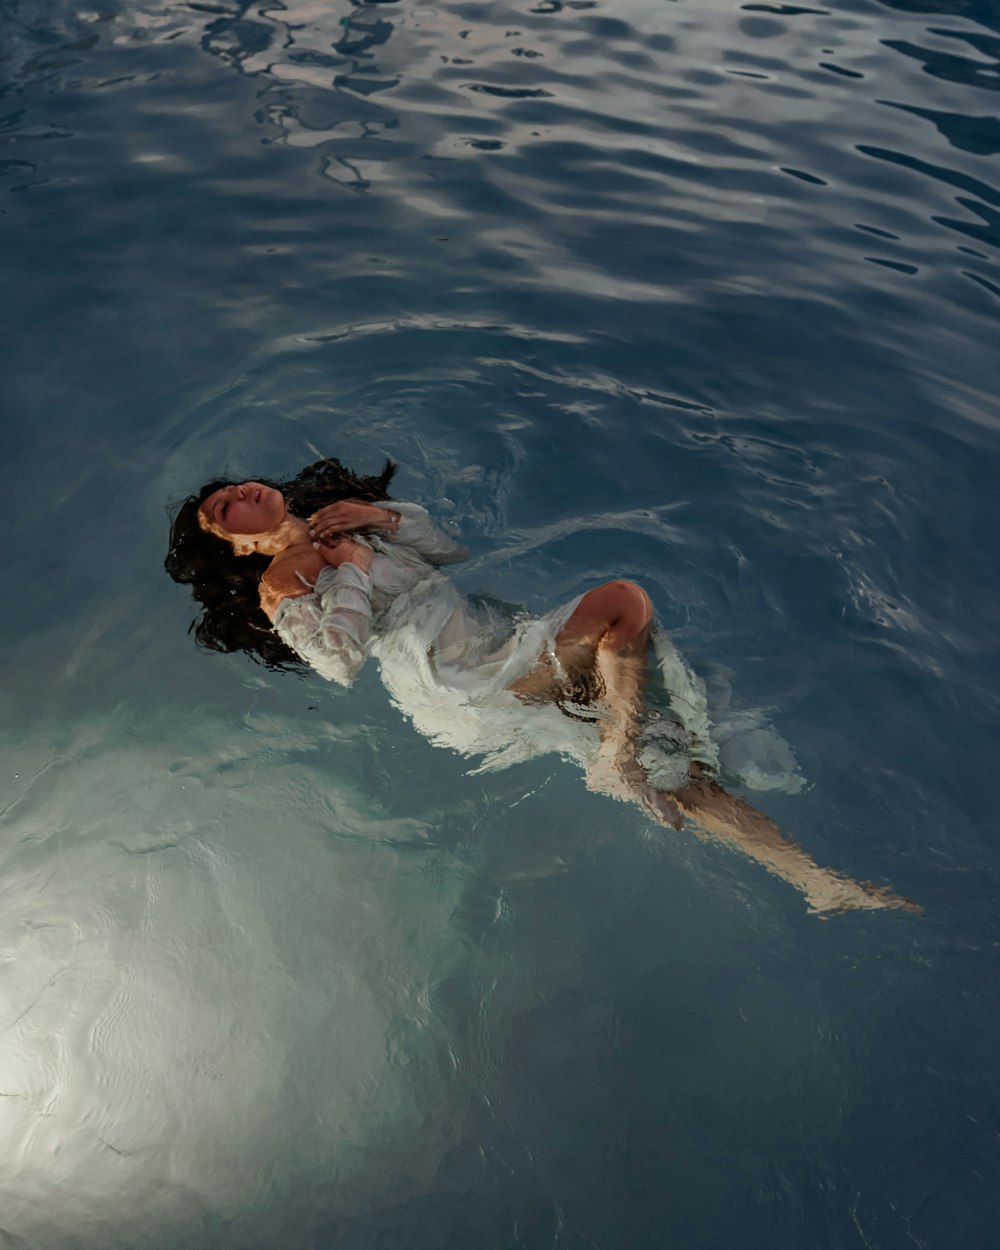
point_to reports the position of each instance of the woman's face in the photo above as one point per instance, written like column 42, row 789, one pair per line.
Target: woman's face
column 247, row 508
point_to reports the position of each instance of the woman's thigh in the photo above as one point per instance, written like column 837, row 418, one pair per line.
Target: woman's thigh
column 617, row 613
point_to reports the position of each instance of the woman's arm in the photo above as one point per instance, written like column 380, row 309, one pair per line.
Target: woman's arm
column 288, row 576
column 405, row 524
column 330, row 628
column 352, row 514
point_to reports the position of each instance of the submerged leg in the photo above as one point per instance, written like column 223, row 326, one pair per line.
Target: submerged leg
column 601, row 650
column 713, row 811
column 608, row 635
column 734, row 821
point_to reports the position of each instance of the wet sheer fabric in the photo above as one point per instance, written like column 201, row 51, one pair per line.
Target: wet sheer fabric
column 336, row 627
column 447, row 661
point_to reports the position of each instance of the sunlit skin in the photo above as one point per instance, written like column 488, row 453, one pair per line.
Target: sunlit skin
column 254, row 518
column 251, row 516
column 608, row 633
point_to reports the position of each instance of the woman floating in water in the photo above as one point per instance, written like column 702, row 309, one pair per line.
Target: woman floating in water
column 325, row 571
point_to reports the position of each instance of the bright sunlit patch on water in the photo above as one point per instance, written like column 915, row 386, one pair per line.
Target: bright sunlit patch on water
column 171, row 1050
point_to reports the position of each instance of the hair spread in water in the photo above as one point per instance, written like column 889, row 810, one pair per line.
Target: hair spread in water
column 227, row 586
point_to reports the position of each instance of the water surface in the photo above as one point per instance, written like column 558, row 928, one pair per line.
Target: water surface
column 701, row 294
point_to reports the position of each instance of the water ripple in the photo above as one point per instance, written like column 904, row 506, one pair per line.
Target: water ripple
column 699, row 294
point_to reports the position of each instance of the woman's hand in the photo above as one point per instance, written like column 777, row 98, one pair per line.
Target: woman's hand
column 347, row 551
column 348, row 514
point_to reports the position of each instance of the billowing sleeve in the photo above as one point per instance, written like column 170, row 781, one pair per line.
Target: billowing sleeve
column 330, row 628
column 418, row 532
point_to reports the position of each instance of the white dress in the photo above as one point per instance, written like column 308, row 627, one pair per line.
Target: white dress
column 447, row 662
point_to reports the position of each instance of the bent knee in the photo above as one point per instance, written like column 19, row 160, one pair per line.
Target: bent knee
column 630, row 609
column 633, row 600
column 617, row 612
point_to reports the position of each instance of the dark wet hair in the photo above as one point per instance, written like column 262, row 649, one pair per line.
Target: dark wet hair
column 228, row 586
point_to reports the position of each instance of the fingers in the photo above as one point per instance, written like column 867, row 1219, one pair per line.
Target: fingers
column 326, row 521
column 336, row 517
column 332, row 515
column 324, row 538
column 342, row 548
column 328, row 511
column 347, row 551
column 327, row 534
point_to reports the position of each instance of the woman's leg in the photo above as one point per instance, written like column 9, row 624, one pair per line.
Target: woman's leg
column 608, row 634
column 734, row 821
column 610, row 623
column 616, row 615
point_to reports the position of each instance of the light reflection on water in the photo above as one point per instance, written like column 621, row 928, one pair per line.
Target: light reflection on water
column 216, row 994
column 703, row 295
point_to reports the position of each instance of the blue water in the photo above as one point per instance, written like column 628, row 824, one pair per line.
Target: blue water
column 703, row 294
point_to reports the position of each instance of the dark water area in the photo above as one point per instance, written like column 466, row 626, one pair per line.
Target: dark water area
column 700, row 294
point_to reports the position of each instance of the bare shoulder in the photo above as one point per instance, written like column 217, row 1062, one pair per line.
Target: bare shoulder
column 289, row 575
